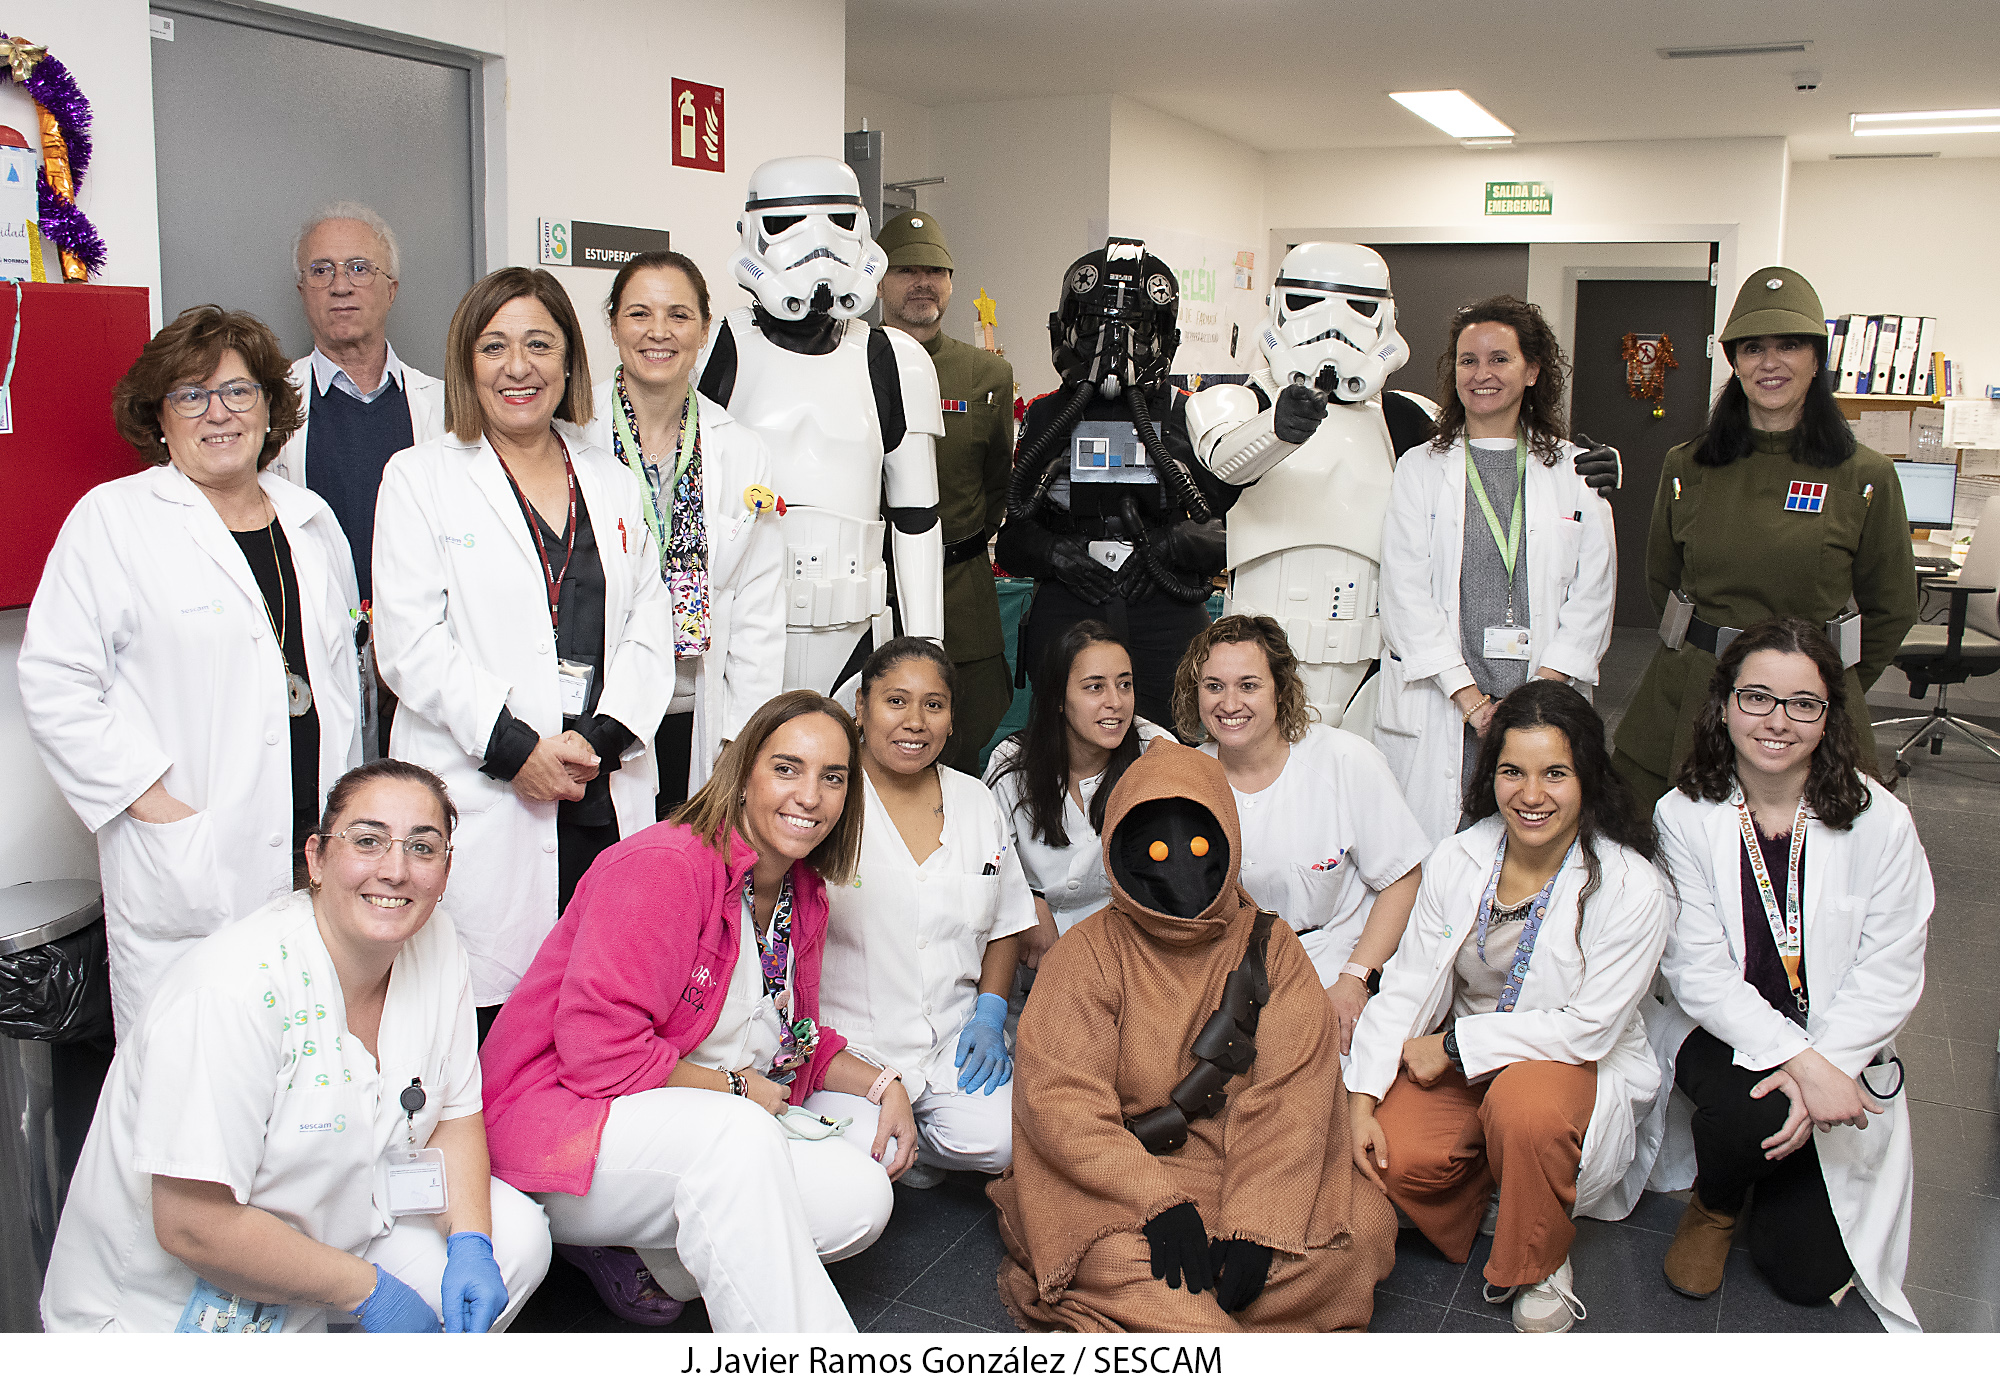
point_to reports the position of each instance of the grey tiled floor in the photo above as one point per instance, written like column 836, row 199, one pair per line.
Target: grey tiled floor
column 933, row 1271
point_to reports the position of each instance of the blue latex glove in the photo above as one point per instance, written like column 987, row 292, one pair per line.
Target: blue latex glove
column 982, row 1046
column 473, row 1291
column 394, row 1309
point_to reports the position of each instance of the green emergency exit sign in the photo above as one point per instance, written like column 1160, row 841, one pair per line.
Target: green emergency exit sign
column 1519, row 200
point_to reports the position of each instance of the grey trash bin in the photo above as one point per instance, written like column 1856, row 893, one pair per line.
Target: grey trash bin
column 33, row 1177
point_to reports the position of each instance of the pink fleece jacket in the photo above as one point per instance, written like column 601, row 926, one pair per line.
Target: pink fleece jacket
column 631, row 978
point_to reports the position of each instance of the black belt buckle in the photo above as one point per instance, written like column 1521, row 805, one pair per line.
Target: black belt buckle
column 964, row 549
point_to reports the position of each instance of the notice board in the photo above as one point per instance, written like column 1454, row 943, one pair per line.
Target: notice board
column 76, row 342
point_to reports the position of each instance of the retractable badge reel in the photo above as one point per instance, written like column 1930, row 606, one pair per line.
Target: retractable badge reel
column 415, row 1180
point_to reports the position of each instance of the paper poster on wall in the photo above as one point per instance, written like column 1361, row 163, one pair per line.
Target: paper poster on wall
column 1222, row 297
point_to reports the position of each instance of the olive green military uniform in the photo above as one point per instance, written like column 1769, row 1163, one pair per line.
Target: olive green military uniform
column 973, row 461
column 1724, row 537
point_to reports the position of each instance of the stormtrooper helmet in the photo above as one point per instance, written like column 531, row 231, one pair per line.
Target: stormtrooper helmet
column 806, row 243
column 1119, row 320
column 1333, row 321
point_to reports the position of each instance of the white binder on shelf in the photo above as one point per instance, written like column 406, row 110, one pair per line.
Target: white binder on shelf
column 1885, row 354
column 1922, row 379
column 1859, row 356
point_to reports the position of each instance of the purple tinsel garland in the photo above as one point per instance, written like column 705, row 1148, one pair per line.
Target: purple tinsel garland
column 62, row 222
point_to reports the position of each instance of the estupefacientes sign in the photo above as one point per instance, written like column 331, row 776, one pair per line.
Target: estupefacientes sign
column 564, row 242
column 1524, row 199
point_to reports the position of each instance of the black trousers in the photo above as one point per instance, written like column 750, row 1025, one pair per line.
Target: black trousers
column 1155, row 630
column 673, row 752
column 1794, row 1238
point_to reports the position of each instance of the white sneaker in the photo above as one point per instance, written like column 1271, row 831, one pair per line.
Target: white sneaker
column 1549, row 1307
column 921, row 1177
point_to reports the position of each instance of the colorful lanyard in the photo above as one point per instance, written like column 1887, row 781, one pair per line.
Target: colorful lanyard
column 797, row 1039
column 549, row 573
column 1787, row 929
column 1508, row 543
column 1518, row 973
column 635, row 458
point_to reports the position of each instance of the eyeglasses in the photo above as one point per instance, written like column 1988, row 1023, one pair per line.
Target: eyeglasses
column 423, row 847
column 360, row 271
column 238, row 395
column 1754, row 701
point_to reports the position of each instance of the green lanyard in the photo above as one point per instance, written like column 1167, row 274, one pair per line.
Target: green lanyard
column 1508, row 543
column 635, row 458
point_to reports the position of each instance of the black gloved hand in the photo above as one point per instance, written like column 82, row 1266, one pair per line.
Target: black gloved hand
column 1070, row 560
column 1600, row 466
column 1192, row 548
column 1297, row 413
column 1241, row 1269
column 1180, row 1248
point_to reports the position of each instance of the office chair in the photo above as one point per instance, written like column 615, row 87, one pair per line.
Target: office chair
column 1966, row 645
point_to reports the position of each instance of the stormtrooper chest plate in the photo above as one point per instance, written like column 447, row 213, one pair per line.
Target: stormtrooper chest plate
column 816, row 415
column 1332, row 491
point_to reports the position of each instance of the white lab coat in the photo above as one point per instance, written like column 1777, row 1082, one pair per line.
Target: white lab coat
column 1579, row 1003
column 1070, row 879
column 240, row 1074
column 1572, row 582
column 905, row 942
column 1867, row 917
column 462, row 629
column 424, row 393
column 744, row 666
column 149, row 655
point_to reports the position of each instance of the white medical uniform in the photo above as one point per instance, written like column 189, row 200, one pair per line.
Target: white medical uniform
column 904, row 947
column 149, row 655
column 719, row 1201
column 242, row 1073
column 1070, row 878
column 1324, row 839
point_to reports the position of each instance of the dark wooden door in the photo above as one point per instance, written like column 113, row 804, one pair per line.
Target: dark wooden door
column 1431, row 280
column 1602, row 407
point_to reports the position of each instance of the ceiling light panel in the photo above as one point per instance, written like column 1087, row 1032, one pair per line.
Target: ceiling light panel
column 1969, row 121
column 1737, row 50
column 1454, row 113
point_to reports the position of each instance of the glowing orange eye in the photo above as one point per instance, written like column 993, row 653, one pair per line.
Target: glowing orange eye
column 1199, row 846
column 1158, row 851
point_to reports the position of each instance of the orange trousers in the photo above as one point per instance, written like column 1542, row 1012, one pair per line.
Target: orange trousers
column 1521, row 1129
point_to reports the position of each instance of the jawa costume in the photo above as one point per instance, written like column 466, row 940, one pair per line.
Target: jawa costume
column 1245, row 1212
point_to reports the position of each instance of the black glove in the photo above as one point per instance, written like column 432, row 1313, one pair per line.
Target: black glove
column 1180, row 1248
column 1297, row 413
column 1599, row 465
column 1070, row 560
column 1192, row 548
column 1241, row 1269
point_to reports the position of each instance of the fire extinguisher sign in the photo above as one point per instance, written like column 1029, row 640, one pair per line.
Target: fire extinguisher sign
column 697, row 125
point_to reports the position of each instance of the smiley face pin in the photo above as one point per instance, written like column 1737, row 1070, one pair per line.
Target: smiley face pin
column 759, row 499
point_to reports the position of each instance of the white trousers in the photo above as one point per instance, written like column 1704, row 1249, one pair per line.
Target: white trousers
column 414, row 1252
column 721, row 1203
column 955, row 1131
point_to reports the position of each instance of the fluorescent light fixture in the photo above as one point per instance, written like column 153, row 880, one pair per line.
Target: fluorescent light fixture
column 1737, row 50
column 1454, row 113
column 1971, row 121
column 1903, row 155
column 1488, row 142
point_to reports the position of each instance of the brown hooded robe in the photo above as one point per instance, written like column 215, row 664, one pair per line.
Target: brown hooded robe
column 1106, row 1036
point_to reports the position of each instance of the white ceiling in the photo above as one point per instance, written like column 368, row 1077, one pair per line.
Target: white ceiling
column 1292, row 75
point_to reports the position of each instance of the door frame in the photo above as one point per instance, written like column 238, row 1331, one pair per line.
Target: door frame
column 481, row 71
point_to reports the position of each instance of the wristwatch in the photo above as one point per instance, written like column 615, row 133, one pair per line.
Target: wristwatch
column 1451, row 1048
column 1370, row 977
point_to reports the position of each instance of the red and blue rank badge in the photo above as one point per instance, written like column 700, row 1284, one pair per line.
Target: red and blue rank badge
column 955, row 404
column 1805, row 497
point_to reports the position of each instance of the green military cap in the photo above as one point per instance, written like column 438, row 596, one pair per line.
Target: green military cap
column 914, row 239
column 1775, row 300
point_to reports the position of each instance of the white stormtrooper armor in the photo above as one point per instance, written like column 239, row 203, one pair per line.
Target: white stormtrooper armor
column 819, row 410
column 1305, row 544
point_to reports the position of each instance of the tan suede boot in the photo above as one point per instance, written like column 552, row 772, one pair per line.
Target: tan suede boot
column 1700, row 1249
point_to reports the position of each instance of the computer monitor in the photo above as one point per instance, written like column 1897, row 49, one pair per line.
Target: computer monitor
column 1929, row 490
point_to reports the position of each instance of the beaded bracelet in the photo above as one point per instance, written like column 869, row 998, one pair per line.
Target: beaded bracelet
column 736, row 1084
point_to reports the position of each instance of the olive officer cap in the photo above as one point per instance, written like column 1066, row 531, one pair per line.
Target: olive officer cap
column 914, row 239
column 1775, row 300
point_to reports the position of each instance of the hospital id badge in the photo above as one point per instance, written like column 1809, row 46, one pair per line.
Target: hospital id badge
column 1505, row 642
column 573, row 682
column 212, row 1311
column 416, row 1184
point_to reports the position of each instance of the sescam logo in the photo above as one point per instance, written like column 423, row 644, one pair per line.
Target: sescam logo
column 448, row 540
column 211, row 607
column 339, row 1124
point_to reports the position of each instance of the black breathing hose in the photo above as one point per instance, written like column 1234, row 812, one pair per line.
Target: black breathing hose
column 1030, row 482
column 1179, row 482
column 1162, row 574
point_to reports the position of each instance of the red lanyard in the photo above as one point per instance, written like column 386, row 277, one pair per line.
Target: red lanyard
column 549, row 573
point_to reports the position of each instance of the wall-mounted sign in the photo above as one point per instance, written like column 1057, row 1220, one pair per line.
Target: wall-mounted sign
column 567, row 243
column 1518, row 200
column 697, row 125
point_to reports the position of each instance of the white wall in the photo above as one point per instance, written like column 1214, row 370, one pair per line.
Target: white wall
column 556, row 94
column 906, row 135
column 1905, row 237
column 1030, row 187
column 1166, row 172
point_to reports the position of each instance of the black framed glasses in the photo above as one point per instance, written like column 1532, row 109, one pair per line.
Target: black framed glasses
column 1755, row 701
column 360, row 271
column 425, row 848
column 239, row 395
